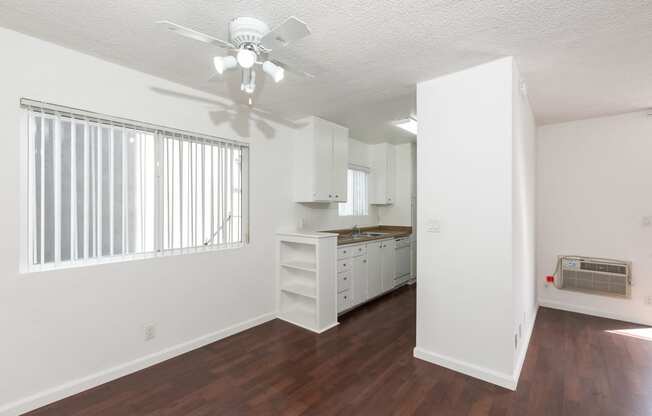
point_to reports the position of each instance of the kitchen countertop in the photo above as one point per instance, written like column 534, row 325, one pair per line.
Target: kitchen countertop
column 391, row 231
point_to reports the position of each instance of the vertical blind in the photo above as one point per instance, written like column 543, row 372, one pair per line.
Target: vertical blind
column 357, row 202
column 104, row 188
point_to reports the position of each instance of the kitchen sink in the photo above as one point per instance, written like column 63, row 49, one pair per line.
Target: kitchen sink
column 373, row 234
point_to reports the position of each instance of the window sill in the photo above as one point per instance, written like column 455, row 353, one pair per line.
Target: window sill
column 122, row 259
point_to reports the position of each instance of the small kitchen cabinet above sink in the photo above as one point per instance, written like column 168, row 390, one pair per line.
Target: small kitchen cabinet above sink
column 321, row 157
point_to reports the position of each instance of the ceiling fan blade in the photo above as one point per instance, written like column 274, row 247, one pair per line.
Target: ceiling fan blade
column 193, row 34
column 293, row 70
column 291, row 30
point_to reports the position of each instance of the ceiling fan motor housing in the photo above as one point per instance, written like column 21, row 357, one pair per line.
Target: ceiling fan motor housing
column 247, row 30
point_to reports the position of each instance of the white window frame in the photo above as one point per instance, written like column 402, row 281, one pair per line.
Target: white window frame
column 353, row 207
column 161, row 136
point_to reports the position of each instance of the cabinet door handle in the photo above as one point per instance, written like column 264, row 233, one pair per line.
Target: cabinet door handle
column 330, row 196
column 345, row 278
column 364, row 261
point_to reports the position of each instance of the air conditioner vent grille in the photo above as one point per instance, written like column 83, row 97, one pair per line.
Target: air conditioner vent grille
column 597, row 276
column 603, row 267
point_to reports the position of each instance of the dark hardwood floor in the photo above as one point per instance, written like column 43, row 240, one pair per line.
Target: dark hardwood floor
column 365, row 367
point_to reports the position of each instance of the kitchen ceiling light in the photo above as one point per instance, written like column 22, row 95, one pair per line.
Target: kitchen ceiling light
column 276, row 72
column 246, row 58
column 223, row 63
column 408, row 124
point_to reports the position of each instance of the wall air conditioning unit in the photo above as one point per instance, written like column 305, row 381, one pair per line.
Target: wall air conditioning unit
column 594, row 275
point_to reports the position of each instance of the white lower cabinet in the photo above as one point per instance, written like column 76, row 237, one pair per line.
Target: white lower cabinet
column 359, row 280
column 364, row 272
column 387, row 264
column 351, row 276
column 374, row 286
column 344, row 300
column 344, row 281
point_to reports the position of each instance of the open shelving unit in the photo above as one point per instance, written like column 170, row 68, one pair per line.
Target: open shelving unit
column 307, row 292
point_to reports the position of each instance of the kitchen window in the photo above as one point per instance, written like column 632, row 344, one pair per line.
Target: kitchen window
column 357, row 203
column 103, row 189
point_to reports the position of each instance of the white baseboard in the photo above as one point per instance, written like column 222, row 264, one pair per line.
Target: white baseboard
column 307, row 328
column 72, row 387
column 501, row 379
column 591, row 311
column 495, row 377
column 525, row 343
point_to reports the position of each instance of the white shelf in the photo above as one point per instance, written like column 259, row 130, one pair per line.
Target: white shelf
column 306, row 279
column 301, row 289
column 302, row 317
column 301, row 265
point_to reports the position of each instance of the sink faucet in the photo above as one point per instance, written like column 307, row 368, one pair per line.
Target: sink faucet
column 355, row 231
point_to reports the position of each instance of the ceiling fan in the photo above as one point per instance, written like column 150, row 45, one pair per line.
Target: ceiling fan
column 250, row 44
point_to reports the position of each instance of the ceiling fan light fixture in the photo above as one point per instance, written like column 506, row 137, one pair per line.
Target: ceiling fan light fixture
column 276, row 72
column 251, row 39
column 246, row 58
column 248, row 84
column 224, row 63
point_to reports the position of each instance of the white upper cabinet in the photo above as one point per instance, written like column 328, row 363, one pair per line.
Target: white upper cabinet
column 383, row 174
column 321, row 153
column 340, row 162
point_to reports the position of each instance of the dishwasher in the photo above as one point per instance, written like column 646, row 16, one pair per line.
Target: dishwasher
column 403, row 260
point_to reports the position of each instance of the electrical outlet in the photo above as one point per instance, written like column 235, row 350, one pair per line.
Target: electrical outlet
column 150, row 332
column 648, row 300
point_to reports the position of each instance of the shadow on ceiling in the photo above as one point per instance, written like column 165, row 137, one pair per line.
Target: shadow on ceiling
column 240, row 116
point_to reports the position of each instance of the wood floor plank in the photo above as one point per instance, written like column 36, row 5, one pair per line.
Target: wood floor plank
column 365, row 366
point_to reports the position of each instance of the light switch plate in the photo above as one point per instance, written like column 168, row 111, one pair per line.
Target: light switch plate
column 433, row 226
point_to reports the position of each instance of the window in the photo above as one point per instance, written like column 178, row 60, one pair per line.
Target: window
column 357, row 203
column 101, row 189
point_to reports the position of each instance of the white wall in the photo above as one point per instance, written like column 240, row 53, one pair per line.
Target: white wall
column 465, row 171
column 65, row 326
column 523, row 218
column 400, row 212
column 594, row 188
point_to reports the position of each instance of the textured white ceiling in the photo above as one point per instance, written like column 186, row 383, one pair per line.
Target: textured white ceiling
column 579, row 58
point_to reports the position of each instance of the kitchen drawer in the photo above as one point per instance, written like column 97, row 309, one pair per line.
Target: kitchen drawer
column 360, row 250
column 343, row 300
column 344, row 265
column 344, row 281
column 344, row 252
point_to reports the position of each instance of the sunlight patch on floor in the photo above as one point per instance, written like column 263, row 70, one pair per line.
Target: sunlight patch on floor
column 641, row 333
